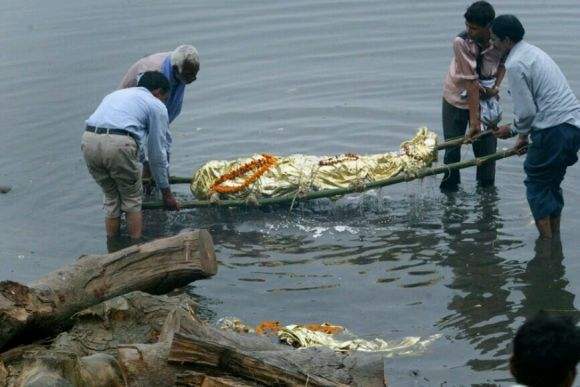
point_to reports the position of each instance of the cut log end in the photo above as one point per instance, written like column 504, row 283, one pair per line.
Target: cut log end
column 206, row 253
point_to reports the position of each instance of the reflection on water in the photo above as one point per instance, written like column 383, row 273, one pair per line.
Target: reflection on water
column 481, row 277
column 544, row 283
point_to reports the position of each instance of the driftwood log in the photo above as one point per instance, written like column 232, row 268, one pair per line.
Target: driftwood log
column 145, row 340
column 45, row 307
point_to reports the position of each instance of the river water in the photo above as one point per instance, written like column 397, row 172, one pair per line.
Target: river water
column 312, row 77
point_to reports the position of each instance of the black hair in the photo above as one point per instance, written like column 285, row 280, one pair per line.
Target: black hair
column 508, row 26
column 480, row 13
column 153, row 80
column 546, row 350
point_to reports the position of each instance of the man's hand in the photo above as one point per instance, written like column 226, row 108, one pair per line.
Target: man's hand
column 502, row 131
column 473, row 132
column 148, row 183
column 169, row 200
column 522, row 144
column 488, row 92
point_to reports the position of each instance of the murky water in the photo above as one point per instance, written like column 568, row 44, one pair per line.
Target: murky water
column 316, row 77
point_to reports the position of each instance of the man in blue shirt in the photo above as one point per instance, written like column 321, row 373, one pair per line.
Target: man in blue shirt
column 180, row 67
column 547, row 111
column 113, row 142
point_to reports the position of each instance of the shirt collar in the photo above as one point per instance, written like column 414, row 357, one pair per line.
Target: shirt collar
column 515, row 49
column 169, row 73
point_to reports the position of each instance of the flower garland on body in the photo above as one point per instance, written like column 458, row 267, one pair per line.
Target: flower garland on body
column 261, row 166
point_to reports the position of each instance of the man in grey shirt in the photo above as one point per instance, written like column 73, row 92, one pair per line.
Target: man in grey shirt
column 545, row 110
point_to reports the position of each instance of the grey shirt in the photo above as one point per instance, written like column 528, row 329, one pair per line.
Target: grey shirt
column 541, row 95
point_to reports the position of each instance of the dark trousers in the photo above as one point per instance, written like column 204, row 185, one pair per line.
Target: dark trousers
column 550, row 152
column 455, row 123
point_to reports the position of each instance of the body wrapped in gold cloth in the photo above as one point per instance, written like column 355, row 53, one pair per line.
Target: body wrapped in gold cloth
column 299, row 174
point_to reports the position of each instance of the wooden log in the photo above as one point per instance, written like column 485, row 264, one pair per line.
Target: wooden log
column 3, row 374
column 54, row 368
column 45, row 307
column 137, row 330
column 278, row 368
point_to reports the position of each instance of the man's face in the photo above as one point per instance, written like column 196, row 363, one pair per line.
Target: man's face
column 159, row 94
column 501, row 45
column 188, row 73
column 477, row 33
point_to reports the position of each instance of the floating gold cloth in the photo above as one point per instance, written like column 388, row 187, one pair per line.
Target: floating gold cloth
column 325, row 335
column 298, row 174
column 301, row 337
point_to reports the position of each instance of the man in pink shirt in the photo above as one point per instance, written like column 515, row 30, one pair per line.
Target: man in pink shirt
column 475, row 61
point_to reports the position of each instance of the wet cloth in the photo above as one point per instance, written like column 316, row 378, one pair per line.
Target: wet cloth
column 299, row 174
column 301, row 337
column 490, row 110
column 158, row 62
column 541, row 95
column 113, row 162
column 331, row 336
column 551, row 151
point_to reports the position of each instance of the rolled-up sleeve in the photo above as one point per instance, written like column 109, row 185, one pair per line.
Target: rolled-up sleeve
column 157, row 146
column 465, row 60
column 523, row 100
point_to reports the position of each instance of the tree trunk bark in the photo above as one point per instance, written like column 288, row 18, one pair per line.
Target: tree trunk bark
column 291, row 367
column 45, row 307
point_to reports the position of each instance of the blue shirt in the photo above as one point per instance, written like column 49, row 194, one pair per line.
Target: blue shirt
column 138, row 111
column 541, row 95
column 175, row 99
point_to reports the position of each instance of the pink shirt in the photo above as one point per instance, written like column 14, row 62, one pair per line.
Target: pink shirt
column 463, row 69
column 149, row 63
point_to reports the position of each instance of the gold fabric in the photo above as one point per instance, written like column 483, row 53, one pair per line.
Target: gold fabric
column 301, row 173
column 300, row 337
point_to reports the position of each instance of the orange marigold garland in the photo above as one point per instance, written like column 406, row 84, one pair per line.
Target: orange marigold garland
column 261, row 166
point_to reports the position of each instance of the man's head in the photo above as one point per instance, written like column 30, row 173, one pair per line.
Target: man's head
column 156, row 83
column 506, row 31
column 185, row 63
column 546, row 350
column 477, row 19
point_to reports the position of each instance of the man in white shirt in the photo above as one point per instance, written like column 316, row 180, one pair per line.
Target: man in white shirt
column 545, row 110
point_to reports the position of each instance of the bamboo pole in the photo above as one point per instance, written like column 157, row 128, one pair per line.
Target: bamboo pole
column 458, row 141
column 344, row 191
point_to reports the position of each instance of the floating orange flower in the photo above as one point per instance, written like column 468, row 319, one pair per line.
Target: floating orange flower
column 324, row 328
column 260, row 166
column 266, row 327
